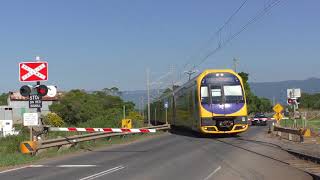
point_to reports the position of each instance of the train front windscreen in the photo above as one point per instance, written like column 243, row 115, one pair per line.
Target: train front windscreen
column 222, row 93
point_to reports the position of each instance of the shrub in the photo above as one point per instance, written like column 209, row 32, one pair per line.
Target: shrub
column 110, row 118
column 136, row 118
column 54, row 120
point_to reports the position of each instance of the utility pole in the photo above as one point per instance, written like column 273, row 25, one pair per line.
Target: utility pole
column 235, row 64
column 40, row 125
column 142, row 106
column 172, row 76
column 155, row 116
column 190, row 72
column 148, row 94
column 124, row 111
column 274, row 101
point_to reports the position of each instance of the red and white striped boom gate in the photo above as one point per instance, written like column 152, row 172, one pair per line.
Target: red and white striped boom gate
column 261, row 119
column 264, row 119
column 106, row 130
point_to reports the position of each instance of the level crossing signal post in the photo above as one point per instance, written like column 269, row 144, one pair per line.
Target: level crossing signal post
column 35, row 95
column 35, row 71
column 293, row 100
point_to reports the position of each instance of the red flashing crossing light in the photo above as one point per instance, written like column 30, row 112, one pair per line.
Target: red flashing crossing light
column 291, row 101
column 42, row 90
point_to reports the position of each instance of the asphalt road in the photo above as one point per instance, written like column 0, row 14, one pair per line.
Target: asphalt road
column 170, row 156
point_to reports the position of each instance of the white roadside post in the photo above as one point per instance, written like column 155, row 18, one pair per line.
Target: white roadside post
column 166, row 106
column 30, row 120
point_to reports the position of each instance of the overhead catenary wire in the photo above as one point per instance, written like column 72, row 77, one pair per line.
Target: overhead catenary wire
column 267, row 7
column 257, row 17
column 218, row 32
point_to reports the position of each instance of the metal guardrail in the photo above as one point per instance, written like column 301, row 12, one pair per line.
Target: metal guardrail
column 288, row 130
column 72, row 140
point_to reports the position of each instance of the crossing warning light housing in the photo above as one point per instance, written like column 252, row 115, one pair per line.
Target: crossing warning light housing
column 25, row 90
column 291, row 101
column 41, row 90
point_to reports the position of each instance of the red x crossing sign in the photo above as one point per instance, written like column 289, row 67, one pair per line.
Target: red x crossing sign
column 33, row 71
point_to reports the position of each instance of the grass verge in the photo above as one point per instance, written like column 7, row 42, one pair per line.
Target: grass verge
column 10, row 155
column 314, row 124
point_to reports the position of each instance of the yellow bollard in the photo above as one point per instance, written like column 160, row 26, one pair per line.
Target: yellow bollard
column 28, row 147
column 126, row 123
column 307, row 133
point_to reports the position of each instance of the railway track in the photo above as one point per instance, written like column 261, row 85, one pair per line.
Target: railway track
column 299, row 162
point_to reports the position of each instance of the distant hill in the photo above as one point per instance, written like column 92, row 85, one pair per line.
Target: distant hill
column 278, row 90
column 270, row 90
column 139, row 96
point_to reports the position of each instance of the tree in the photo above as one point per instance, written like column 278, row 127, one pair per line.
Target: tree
column 78, row 106
column 136, row 118
column 53, row 119
column 255, row 104
column 114, row 91
column 310, row 101
column 3, row 99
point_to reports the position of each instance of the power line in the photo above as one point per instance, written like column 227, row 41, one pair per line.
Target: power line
column 235, row 64
column 243, row 28
column 218, row 32
column 222, row 44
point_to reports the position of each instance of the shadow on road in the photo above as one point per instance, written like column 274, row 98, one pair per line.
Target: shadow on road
column 189, row 133
column 117, row 151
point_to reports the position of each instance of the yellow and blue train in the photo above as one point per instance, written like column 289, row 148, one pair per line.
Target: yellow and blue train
column 214, row 102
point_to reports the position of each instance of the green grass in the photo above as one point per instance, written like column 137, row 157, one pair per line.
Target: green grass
column 314, row 124
column 10, row 155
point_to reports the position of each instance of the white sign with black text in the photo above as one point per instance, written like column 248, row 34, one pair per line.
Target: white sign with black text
column 30, row 119
column 293, row 93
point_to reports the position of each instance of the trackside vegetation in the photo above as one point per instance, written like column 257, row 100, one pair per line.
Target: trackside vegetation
column 3, row 99
column 255, row 104
column 310, row 101
column 76, row 108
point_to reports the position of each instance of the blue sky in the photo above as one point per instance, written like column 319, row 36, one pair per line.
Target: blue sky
column 97, row 43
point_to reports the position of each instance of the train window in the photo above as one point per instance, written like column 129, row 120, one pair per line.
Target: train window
column 204, row 94
column 233, row 94
column 216, row 94
column 232, row 90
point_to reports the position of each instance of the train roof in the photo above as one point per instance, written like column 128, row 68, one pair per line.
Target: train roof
column 191, row 81
column 207, row 71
